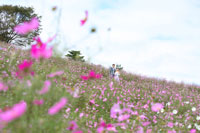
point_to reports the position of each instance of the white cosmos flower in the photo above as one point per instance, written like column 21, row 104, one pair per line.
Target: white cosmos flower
column 194, row 109
column 162, row 110
column 168, row 104
column 187, row 102
column 189, row 126
column 175, row 111
column 197, row 126
column 198, row 118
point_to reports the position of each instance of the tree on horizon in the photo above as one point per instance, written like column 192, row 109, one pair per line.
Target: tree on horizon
column 12, row 16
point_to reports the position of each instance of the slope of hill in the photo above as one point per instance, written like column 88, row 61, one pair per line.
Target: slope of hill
column 30, row 98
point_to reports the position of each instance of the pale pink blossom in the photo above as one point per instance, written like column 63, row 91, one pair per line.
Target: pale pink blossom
column 38, row 102
column 45, row 89
column 57, row 107
column 15, row 112
column 72, row 126
column 115, row 110
column 26, row 27
column 58, row 73
column 157, row 107
column 3, row 87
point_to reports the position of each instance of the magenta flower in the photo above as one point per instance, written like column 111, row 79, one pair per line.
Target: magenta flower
column 157, row 107
column 26, row 27
column 41, row 51
column 24, row 69
column 79, row 131
column 91, row 75
column 84, row 77
column 83, row 21
column 57, row 107
column 72, row 126
column 58, row 73
column 45, row 89
column 3, row 87
column 25, row 65
column 193, row 131
column 38, row 102
column 103, row 126
column 15, row 112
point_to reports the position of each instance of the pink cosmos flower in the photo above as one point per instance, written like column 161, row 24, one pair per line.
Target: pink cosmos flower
column 3, row 87
column 103, row 126
column 92, row 102
column 15, row 112
column 24, row 69
column 45, row 89
column 58, row 73
column 146, row 123
column 157, row 107
column 115, row 110
column 170, row 124
column 91, row 75
column 123, row 117
column 41, row 51
column 72, row 126
column 193, row 131
column 169, row 131
column 26, row 27
column 79, row 131
column 38, row 102
column 140, row 130
column 57, row 107
column 25, row 65
column 83, row 21
column 84, row 77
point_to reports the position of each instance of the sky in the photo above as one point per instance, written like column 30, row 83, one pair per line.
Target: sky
column 148, row 37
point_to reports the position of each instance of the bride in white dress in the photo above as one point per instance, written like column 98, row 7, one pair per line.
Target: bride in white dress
column 117, row 75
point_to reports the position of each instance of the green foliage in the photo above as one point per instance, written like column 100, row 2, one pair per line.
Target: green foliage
column 118, row 66
column 75, row 55
column 12, row 16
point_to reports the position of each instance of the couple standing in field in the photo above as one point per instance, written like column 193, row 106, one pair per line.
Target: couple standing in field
column 114, row 72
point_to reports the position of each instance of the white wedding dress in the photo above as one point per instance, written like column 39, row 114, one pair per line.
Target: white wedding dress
column 116, row 76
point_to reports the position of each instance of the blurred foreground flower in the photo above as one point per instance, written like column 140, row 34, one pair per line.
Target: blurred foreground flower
column 45, row 89
column 15, row 112
column 41, row 51
column 26, row 27
column 58, row 106
column 85, row 19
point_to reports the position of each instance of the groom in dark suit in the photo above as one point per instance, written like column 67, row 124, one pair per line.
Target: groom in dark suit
column 112, row 71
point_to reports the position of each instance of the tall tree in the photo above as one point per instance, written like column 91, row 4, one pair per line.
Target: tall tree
column 75, row 55
column 10, row 16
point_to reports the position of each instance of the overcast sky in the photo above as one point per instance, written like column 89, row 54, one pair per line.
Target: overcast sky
column 156, row 38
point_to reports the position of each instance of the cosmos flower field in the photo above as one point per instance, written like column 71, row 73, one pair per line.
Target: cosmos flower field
column 40, row 92
column 53, row 94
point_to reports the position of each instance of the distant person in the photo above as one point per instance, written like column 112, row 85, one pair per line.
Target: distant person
column 117, row 73
column 112, row 71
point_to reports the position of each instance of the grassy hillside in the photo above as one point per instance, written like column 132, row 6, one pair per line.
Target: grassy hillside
column 135, row 104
